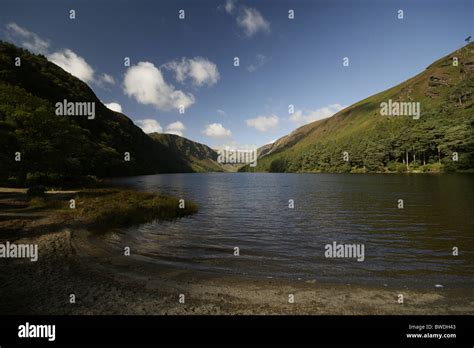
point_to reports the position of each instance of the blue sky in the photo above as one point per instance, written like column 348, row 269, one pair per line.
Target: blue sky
column 190, row 62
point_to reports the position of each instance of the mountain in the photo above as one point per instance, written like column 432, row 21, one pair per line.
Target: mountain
column 373, row 141
column 39, row 146
column 200, row 157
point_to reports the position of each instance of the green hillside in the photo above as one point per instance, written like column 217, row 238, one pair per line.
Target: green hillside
column 376, row 143
column 62, row 149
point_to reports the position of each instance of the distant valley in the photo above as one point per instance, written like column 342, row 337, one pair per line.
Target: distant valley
column 39, row 148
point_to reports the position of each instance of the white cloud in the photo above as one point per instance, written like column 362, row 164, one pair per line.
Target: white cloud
column 263, row 123
column 74, row 64
column 229, row 6
column 252, row 21
column 66, row 58
column 106, row 78
column 233, row 145
column 114, row 106
column 249, row 19
column 199, row 70
column 145, row 83
column 78, row 67
column 217, row 130
column 260, row 61
column 299, row 117
column 149, row 125
column 175, row 128
column 221, row 112
column 27, row 39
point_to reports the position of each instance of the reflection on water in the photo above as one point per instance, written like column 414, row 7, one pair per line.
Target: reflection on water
column 410, row 246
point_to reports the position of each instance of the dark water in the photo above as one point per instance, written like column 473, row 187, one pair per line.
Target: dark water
column 409, row 247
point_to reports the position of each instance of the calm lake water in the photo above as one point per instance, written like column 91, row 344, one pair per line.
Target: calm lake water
column 409, row 247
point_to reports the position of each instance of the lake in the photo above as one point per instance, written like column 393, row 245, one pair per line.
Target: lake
column 410, row 247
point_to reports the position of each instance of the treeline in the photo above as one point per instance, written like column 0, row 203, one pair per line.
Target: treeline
column 428, row 144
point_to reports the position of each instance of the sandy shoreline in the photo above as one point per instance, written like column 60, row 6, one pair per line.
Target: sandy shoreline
column 107, row 283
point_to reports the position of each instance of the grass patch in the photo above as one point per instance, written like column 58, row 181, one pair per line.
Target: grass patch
column 45, row 203
column 123, row 208
column 112, row 207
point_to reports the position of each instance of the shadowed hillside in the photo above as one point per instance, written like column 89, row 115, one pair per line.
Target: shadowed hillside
column 201, row 157
column 65, row 149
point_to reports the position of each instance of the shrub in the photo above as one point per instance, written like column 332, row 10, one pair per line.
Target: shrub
column 345, row 168
column 278, row 166
column 38, row 178
column 401, row 168
column 392, row 166
column 450, row 167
